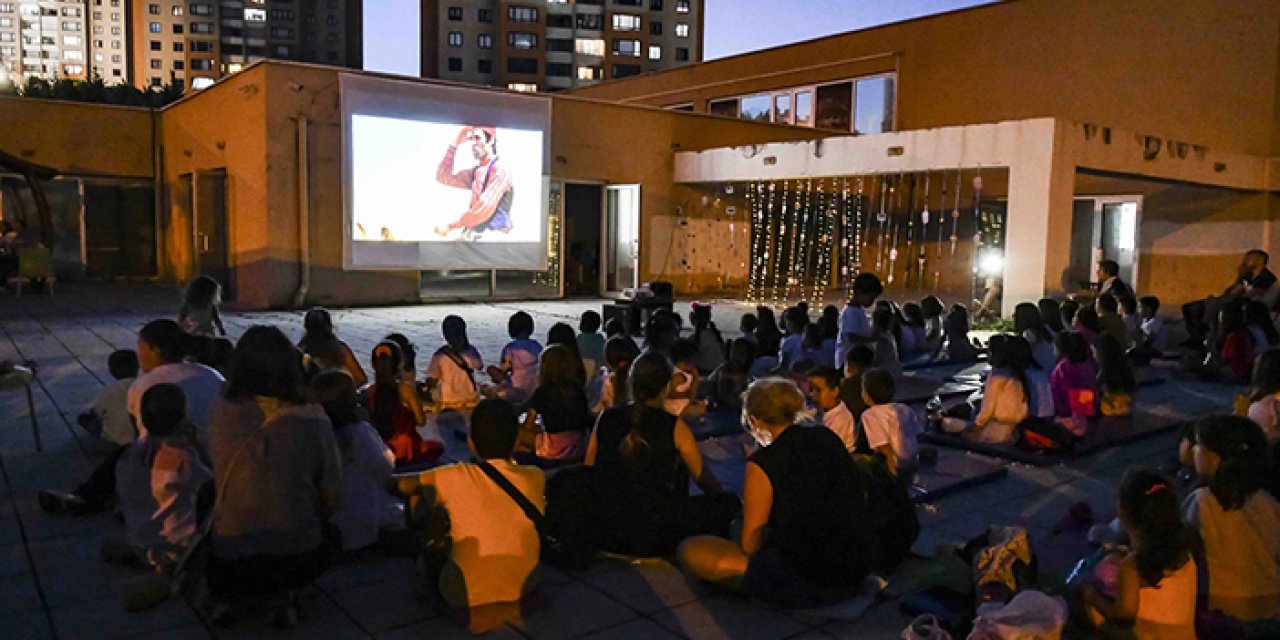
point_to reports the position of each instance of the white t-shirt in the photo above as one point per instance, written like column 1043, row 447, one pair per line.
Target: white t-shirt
column 1154, row 331
column 839, row 420
column 454, row 386
column 495, row 545
column 894, row 424
column 1241, row 547
column 364, row 506
column 853, row 320
column 203, row 386
column 112, row 407
column 1263, row 412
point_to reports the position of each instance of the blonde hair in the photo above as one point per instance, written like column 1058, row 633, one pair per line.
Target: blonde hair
column 774, row 401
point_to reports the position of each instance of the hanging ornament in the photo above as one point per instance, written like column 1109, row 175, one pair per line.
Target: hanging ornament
column 924, row 213
column 857, row 229
column 911, row 228
column 955, row 215
column 942, row 206
column 920, row 260
column 883, row 219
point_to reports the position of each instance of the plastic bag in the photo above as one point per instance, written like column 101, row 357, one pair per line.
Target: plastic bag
column 1031, row 615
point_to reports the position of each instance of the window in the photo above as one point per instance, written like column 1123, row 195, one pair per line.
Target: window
column 559, row 69
column 155, row 45
column 282, row 51
column 178, row 10
column 73, row 69
column 629, row 3
column 154, row 27
column 455, row 13
column 201, row 9
column 782, row 108
column 559, row 44
column 626, row 48
column 455, row 64
column 624, row 70
column 200, row 46
column 281, row 14
column 682, row 54
column 282, row 33
column 179, row 65
column 71, row 41
column 6, row 22
column 484, row 15
column 655, row 5
column 115, row 31
column 155, row 64
column 591, row 21
column 6, row 7
column 455, row 38
column 202, row 27
column 757, row 107
column 177, row 29
column 589, row 47
column 686, row 107
column 484, row 41
column 590, row 73
column 71, row 12
column 72, row 55
column 202, row 64
column 626, row 22
column 655, row 28
column 560, row 21
column 115, row 57
column 873, row 109
column 727, row 108
column 804, row 109
column 655, row 52
column 522, row 40
column 484, row 66
column 522, row 65
column 835, row 106
column 177, row 47
column 682, row 30
column 682, row 6
column 153, row 9
column 523, row 87
column 70, row 26
column 522, row 14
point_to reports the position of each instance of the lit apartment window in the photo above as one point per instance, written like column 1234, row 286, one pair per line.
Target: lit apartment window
column 589, row 46
column 98, row 57
column 70, row 26
column 178, row 10
column 523, row 87
column 655, row 52
column 484, row 41
column 202, row 65
column 484, row 15
column 455, row 64
column 201, row 9
column 655, row 28
column 455, row 14
column 71, row 41
column 73, row 55
column 522, row 40
column 153, row 9
column 626, row 48
column 455, row 39
column 73, row 69
column 682, row 30
column 682, row 6
column 522, row 14
column 590, row 73
column 71, row 12
column 626, row 22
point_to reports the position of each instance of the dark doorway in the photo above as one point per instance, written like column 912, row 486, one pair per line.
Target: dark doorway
column 582, row 214
column 119, row 231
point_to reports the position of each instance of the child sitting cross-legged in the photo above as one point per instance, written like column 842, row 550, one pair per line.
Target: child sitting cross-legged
column 1074, row 382
column 1005, row 398
column 1116, row 382
column 558, row 419
column 109, row 420
column 517, row 373
column 891, row 427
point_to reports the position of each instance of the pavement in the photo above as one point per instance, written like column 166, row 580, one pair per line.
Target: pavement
column 53, row 584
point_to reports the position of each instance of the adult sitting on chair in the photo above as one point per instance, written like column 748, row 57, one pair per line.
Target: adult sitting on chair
column 1253, row 281
column 1108, row 275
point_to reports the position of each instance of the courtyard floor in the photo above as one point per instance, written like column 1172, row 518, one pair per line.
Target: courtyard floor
column 53, row 584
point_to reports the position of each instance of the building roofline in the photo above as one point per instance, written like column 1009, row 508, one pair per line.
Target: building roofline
column 61, row 101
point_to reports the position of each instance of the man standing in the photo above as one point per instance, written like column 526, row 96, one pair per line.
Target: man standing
column 1253, row 280
column 490, row 184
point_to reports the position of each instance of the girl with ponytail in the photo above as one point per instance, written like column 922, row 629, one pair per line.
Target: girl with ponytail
column 610, row 387
column 395, row 411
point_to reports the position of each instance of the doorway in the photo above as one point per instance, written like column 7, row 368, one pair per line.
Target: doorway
column 1103, row 228
column 621, row 239
column 119, row 231
column 582, row 215
column 210, row 230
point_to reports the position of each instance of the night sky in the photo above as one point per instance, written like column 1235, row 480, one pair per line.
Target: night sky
column 733, row 26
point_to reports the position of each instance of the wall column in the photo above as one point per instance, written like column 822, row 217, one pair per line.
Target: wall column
column 1038, row 229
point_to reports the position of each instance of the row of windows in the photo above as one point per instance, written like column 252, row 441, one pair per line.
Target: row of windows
column 630, row 22
column 197, row 46
column 582, row 46
column 862, row 105
column 529, row 66
column 196, row 27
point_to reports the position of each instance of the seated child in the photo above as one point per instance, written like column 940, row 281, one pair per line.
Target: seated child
column 558, row 419
column 1132, row 319
column 707, row 337
column 1005, row 400
column 395, row 411
column 959, row 347
column 1074, row 383
column 517, row 372
column 1088, row 324
column 1116, row 383
column 1264, row 394
column 610, row 387
column 562, row 334
column 1069, row 309
column 1154, row 591
column 1152, row 337
column 451, row 372
column 857, row 361
column 747, row 325
column 684, row 381
column 615, row 327
column 818, row 349
column 590, row 342
column 109, row 419
column 884, row 340
column 1109, row 318
column 159, row 480
column 727, row 383
column 891, row 428
column 793, row 345
column 824, row 392
column 934, row 336
column 914, row 331
column 1039, row 393
column 409, row 353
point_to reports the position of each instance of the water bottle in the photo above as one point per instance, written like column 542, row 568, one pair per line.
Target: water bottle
column 933, row 412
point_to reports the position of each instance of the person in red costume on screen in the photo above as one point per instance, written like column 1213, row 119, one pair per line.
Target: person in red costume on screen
column 489, row 182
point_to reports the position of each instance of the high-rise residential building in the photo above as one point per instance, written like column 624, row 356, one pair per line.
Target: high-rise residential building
column 193, row 43
column 109, row 40
column 43, row 38
column 547, row 45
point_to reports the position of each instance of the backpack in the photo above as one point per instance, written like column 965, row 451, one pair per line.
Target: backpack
column 1045, row 435
column 1003, row 563
column 892, row 519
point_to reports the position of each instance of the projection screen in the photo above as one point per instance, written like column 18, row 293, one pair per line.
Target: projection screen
column 439, row 177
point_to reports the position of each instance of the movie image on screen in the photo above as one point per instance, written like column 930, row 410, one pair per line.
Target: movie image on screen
column 433, row 182
column 441, row 177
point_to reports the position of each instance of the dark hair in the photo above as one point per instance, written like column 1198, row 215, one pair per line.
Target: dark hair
column 768, row 337
column 650, row 375
column 749, row 322
column 829, row 375
column 1261, row 254
column 1108, row 303
column 265, row 363
column 1164, row 540
column 1026, row 317
column 1087, row 317
column 167, row 338
column 684, row 350
column 1257, row 314
column 879, row 385
column 1115, row 374
column 408, row 352
column 1003, row 352
column 829, row 327
column 812, row 337
column 619, row 353
column 201, row 349
column 1266, row 376
column 913, row 314
column 123, row 363
column 741, row 353
column 615, row 327
column 1150, row 301
column 1129, row 304
column 795, row 319
column 1072, row 346
column 661, row 332
column 885, row 320
column 1069, row 308
column 520, row 325
column 494, row 428
column 1109, row 267
column 867, row 283
column 558, row 368
column 589, row 322
column 932, row 307
column 562, row 334
column 957, row 320
column 163, row 409
column 454, row 329
column 317, row 326
column 861, row 355
column 699, row 315
column 1243, row 449
column 222, row 350
column 386, row 361
column 830, row 311
column 1051, row 315
column 201, row 292
column 335, row 392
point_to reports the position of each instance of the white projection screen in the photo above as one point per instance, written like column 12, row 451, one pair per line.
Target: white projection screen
column 440, row 177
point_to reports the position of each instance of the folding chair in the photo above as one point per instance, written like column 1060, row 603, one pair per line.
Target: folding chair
column 23, row 378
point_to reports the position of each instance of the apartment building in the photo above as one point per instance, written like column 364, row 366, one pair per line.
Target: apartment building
column 45, row 38
column 109, row 40
column 190, row 43
column 557, row 44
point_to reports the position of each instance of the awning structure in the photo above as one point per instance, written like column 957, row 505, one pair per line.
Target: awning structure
column 34, row 174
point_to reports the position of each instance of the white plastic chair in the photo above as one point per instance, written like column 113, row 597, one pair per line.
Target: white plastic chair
column 23, row 378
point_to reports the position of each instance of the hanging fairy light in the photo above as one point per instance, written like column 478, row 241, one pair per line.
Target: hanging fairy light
column 955, row 215
column 893, row 248
column 942, row 222
column 551, row 276
column 753, row 204
column 924, row 233
column 883, row 219
column 767, row 242
column 779, row 243
column 911, row 230
column 819, row 243
column 857, row 229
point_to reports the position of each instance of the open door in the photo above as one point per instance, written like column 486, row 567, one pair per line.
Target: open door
column 620, row 260
column 1103, row 228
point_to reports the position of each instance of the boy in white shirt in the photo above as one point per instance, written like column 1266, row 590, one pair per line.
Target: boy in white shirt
column 824, row 391
column 891, row 428
column 1152, row 338
column 109, row 420
column 855, row 324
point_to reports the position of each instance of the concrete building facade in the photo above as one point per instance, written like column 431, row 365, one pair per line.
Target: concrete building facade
column 46, row 39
